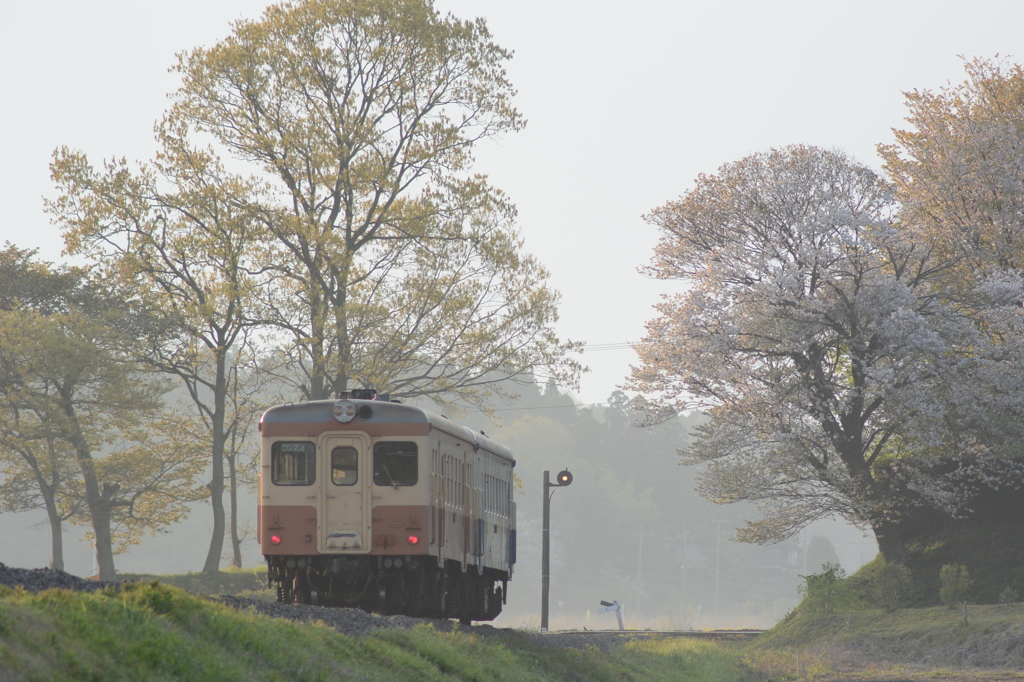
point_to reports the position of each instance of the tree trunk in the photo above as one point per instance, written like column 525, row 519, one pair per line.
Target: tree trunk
column 104, row 538
column 98, row 502
column 48, row 490
column 216, row 484
column 890, row 542
column 236, row 542
column 56, row 532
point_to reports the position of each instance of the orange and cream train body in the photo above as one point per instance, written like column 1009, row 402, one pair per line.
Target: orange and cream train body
column 387, row 507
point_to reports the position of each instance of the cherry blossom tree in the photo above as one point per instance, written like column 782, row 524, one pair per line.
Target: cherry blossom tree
column 837, row 380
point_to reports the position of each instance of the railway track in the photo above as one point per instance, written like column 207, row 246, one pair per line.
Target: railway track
column 696, row 634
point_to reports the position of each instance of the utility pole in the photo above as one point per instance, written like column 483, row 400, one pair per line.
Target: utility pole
column 564, row 478
column 718, row 561
column 686, row 568
column 639, row 571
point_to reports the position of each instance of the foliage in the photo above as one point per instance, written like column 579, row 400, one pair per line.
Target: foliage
column 956, row 583
column 837, row 381
column 179, row 232
column 69, row 381
column 885, row 585
column 957, row 171
column 391, row 265
column 827, row 591
column 1008, row 595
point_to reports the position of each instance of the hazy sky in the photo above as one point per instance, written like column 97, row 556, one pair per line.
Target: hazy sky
column 627, row 104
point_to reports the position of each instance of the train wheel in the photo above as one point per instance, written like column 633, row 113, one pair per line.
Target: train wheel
column 453, row 593
column 416, row 588
column 499, row 598
column 302, row 589
column 382, row 596
column 467, row 598
column 436, row 597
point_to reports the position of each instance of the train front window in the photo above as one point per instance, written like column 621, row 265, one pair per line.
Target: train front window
column 395, row 463
column 344, row 465
column 293, row 462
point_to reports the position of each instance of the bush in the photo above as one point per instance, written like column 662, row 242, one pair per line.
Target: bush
column 891, row 582
column 955, row 583
column 827, row 591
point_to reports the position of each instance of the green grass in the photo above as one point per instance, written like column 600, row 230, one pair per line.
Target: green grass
column 154, row 631
column 227, row 581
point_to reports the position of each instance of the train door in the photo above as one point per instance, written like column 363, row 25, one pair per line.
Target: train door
column 345, row 493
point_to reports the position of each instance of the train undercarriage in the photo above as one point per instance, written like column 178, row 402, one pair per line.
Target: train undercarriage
column 409, row 585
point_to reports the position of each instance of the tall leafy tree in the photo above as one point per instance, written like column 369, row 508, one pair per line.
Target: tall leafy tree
column 39, row 468
column 66, row 350
column 837, row 381
column 958, row 171
column 182, row 227
column 396, row 266
column 39, row 473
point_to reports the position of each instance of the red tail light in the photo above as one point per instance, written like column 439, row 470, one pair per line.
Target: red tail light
column 275, row 539
column 413, row 539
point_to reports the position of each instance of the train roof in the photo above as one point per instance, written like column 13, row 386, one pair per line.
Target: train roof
column 382, row 412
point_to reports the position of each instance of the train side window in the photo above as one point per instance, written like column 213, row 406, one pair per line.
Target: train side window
column 293, row 462
column 395, row 463
column 344, row 465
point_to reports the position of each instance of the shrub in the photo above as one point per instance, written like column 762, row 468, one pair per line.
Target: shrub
column 1008, row 595
column 827, row 591
column 955, row 583
column 890, row 584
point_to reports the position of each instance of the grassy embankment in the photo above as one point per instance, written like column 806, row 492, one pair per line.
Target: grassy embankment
column 154, row 631
column 159, row 632
column 914, row 643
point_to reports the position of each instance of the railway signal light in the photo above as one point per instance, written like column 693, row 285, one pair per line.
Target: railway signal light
column 563, row 479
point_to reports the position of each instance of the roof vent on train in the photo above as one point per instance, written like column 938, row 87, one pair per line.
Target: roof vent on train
column 366, row 394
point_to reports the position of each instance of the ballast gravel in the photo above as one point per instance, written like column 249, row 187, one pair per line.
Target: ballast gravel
column 39, row 579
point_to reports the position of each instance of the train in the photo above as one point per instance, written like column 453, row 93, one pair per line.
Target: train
column 371, row 503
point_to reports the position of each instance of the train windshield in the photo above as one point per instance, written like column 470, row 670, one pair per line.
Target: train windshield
column 395, row 463
column 293, row 462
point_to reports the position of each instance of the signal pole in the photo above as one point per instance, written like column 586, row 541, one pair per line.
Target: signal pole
column 564, row 478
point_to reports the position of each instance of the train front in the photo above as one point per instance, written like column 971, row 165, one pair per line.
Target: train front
column 346, row 515
column 320, row 461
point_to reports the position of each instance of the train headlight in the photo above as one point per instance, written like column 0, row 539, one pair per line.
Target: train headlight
column 344, row 411
column 413, row 540
column 275, row 539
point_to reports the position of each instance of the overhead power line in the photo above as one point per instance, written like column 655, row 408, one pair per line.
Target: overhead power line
column 623, row 345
